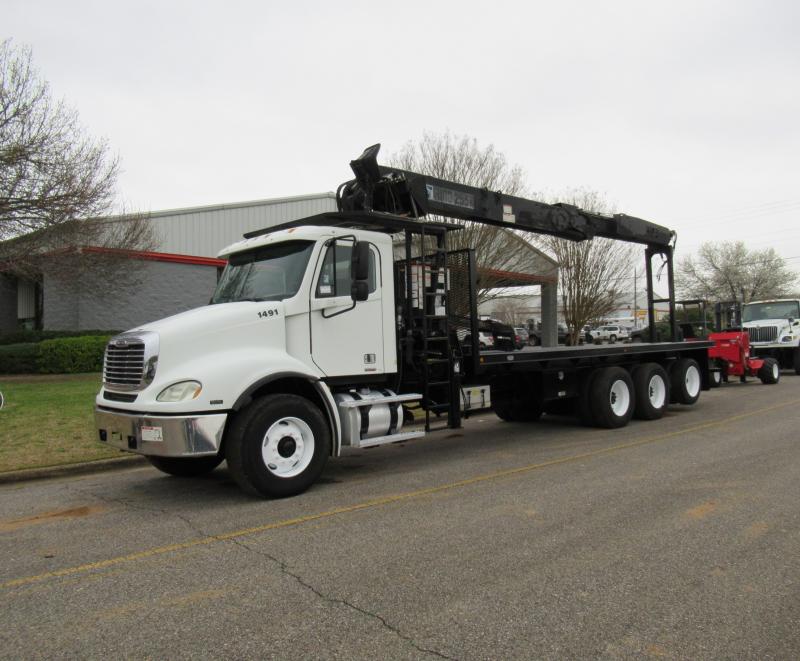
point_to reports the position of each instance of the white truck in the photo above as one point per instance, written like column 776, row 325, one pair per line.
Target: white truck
column 774, row 330
column 345, row 328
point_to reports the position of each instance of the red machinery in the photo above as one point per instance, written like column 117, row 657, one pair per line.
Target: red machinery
column 730, row 356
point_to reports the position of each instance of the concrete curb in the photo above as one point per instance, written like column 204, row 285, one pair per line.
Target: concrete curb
column 65, row 470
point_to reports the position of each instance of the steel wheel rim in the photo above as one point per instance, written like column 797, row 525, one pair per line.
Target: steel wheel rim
column 288, row 447
column 657, row 391
column 692, row 380
column 619, row 397
column 776, row 371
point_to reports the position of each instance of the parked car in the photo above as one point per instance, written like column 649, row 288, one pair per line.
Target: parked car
column 521, row 336
column 502, row 334
column 609, row 334
column 485, row 340
column 535, row 334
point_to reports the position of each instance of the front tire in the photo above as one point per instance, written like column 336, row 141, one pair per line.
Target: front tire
column 186, row 466
column 770, row 371
column 278, row 446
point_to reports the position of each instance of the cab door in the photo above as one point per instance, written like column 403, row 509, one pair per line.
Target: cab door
column 346, row 336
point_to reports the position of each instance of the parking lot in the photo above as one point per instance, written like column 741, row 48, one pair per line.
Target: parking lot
column 671, row 539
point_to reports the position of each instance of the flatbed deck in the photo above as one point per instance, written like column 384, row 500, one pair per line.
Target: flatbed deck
column 585, row 352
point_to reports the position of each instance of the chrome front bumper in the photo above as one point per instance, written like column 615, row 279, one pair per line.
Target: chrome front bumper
column 173, row 436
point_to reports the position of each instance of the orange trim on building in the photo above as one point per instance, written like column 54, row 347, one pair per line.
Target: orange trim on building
column 160, row 256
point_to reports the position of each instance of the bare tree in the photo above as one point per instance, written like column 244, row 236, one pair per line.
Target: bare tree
column 509, row 310
column 55, row 181
column 498, row 252
column 593, row 275
column 727, row 270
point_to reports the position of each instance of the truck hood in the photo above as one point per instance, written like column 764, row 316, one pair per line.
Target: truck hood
column 204, row 331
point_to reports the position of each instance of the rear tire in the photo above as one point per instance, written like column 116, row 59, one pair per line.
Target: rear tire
column 612, row 398
column 685, row 381
column 278, row 446
column 770, row 371
column 651, row 390
column 186, row 466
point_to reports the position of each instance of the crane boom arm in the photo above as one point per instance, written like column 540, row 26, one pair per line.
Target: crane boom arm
column 391, row 190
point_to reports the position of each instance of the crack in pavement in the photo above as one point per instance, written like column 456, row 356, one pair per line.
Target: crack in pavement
column 337, row 600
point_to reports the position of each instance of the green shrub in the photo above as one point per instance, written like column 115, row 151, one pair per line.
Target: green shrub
column 19, row 358
column 72, row 355
column 21, row 336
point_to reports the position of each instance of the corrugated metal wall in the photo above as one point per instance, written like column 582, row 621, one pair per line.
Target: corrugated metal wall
column 204, row 231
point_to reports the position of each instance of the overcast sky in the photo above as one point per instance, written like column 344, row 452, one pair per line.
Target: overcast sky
column 684, row 113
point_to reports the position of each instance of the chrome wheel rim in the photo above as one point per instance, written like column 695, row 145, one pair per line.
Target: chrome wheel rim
column 288, row 447
column 657, row 391
column 692, row 380
column 619, row 397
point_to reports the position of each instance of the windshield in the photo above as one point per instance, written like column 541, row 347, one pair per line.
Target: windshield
column 776, row 310
column 272, row 273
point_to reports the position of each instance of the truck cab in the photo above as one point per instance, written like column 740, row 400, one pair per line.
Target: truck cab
column 288, row 317
column 774, row 330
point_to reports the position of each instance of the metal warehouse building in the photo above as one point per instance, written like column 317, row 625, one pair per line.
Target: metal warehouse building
column 181, row 274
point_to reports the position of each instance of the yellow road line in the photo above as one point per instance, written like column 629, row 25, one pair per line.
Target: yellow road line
column 378, row 502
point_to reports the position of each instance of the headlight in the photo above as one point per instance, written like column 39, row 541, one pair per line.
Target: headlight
column 180, row 392
column 787, row 338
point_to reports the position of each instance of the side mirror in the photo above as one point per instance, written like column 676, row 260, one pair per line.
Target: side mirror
column 359, row 290
column 359, row 265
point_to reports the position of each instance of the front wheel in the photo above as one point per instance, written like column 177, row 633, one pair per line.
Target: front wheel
column 186, row 466
column 278, row 446
column 770, row 371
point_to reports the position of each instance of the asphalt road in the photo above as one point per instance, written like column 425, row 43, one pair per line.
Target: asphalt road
column 671, row 539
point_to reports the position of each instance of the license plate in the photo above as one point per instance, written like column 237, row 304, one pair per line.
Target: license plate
column 152, row 434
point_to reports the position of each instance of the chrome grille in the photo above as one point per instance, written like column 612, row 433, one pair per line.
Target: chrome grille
column 130, row 361
column 124, row 364
column 763, row 334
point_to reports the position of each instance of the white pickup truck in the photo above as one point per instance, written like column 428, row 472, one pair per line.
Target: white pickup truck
column 774, row 329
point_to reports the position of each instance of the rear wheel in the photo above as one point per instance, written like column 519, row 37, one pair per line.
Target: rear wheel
column 770, row 371
column 612, row 398
column 651, row 390
column 278, row 446
column 685, row 381
column 186, row 466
